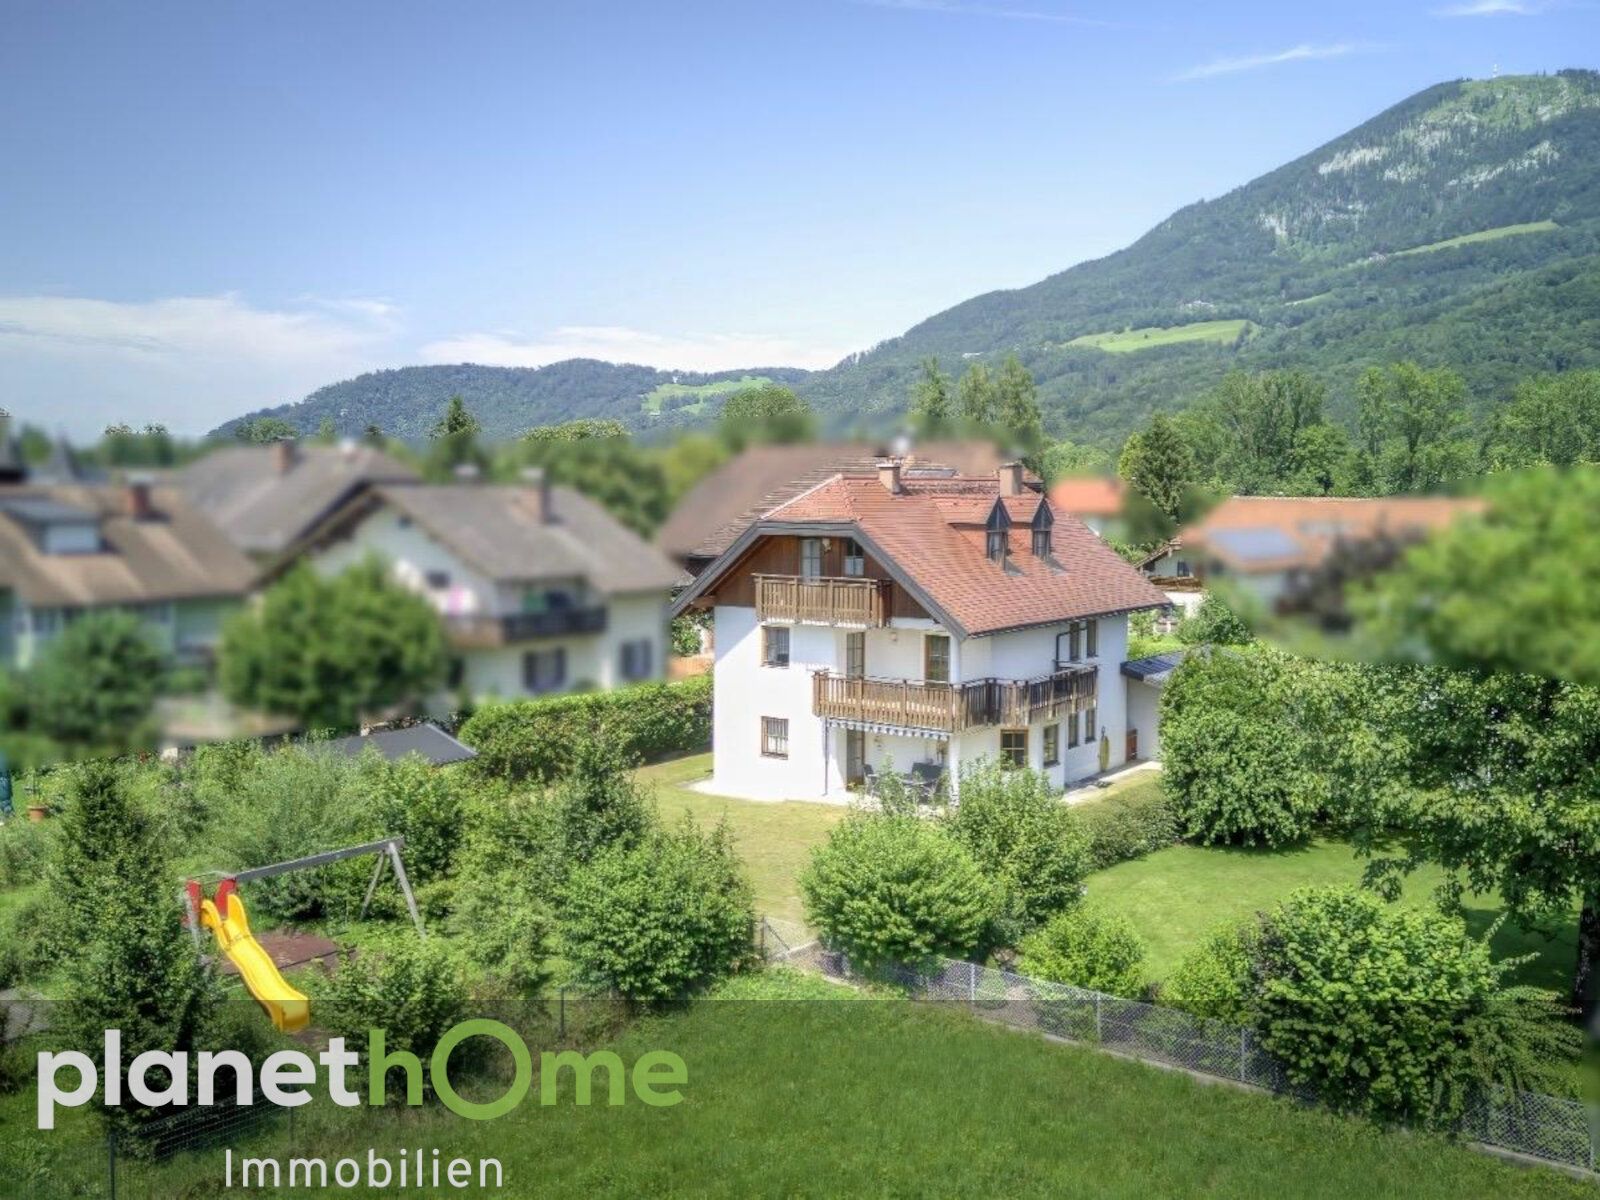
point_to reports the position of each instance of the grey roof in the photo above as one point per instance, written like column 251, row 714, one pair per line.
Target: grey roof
column 495, row 529
column 1156, row 669
column 427, row 739
column 263, row 509
column 39, row 509
column 1263, row 543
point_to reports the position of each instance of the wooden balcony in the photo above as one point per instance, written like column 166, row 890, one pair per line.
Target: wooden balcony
column 844, row 600
column 483, row 631
column 951, row 708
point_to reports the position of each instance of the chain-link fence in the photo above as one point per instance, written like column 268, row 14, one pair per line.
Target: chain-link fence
column 1546, row 1127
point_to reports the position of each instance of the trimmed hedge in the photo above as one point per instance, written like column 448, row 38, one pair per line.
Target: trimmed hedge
column 534, row 739
column 1128, row 825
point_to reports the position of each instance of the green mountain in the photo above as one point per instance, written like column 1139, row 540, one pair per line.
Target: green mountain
column 405, row 402
column 1461, row 227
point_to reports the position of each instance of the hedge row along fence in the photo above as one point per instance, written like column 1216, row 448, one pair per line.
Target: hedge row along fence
column 533, row 739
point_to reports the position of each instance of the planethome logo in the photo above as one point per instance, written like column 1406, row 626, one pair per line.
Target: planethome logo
column 287, row 1076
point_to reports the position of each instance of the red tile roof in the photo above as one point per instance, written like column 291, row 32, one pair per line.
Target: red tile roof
column 1088, row 496
column 932, row 534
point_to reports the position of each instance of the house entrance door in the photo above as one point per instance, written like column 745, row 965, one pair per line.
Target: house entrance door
column 1133, row 744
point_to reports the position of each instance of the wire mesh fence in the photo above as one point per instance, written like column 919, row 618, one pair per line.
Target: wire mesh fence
column 1552, row 1128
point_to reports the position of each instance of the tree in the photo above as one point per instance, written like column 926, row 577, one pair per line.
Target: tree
column 628, row 481
column 457, row 421
column 975, row 395
column 599, row 803
column 96, row 684
column 768, row 413
column 1158, row 465
column 327, row 650
column 1256, row 422
column 455, row 441
column 1214, row 624
column 260, row 430
column 1016, row 401
column 327, row 431
column 1411, row 423
column 1553, row 420
column 931, row 408
column 576, row 431
column 1063, row 459
column 374, row 436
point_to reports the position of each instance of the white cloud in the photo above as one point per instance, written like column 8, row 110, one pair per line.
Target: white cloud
column 1251, row 62
column 613, row 343
column 1493, row 8
column 1000, row 12
column 188, row 361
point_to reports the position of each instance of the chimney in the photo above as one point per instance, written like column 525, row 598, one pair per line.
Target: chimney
column 136, row 498
column 284, row 454
column 1011, row 479
column 889, row 475
column 536, row 493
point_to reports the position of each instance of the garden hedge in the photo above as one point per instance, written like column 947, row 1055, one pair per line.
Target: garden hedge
column 533, row 739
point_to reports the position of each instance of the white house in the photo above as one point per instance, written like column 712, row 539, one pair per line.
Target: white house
column 539, row 588
column 881, row 621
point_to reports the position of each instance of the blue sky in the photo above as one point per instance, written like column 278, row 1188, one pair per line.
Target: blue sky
column 208, row 207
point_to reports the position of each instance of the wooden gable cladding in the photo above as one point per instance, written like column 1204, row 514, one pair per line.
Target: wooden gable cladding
column 779, row 554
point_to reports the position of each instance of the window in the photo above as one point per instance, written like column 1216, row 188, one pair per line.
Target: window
column 936, row 658
column 1091, row 637
column 855, row 655
column 775, row 737
column 636, row 659
column 774, row 646
column 1043, row 522
column 1072, row 730
column 1052, row 745
column 1091, row 723
column 1082, row 641
column 544, row 670
column 1014, row 747
column 1182, row 568
column 811, row 558
column 438, row 580
column 855, row 562
column 996, row 533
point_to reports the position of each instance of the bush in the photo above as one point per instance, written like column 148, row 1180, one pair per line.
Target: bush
column 1371, row 1006
column 656, row 920
column 504, row 926
column 1213, row 623
column 1129, row 824
column 534, row 739
column 95, row 685
column 24, row 850
column 29, row 946
column 410, row 798
column 1026, row 841
column 1089, row 947
column 895, row 889
column 1216, row 978
column 413, row 990
column 599, row 805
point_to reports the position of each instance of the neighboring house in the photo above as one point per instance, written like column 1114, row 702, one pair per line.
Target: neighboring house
column 68, row 549
column 1096, row 500
column 1272, row 544
column 265, row 498
column 918, row 622
column 539, row 588
column 744, row 489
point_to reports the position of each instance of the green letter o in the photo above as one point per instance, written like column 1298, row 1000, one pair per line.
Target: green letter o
column 507, row 1037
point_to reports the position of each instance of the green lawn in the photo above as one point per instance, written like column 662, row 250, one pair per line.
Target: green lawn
column 881, row 1098
column 1483, row 235
column 773, row 837
column 1128, row 340
column 1176, row 895
column 703, row 392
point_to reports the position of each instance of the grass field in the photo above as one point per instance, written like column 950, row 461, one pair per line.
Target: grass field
column 773, row 837
column 1483, row 235
column 878, row 1098
column 653, row 399
column 1129, row 340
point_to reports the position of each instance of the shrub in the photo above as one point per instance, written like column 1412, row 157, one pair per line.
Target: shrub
column 1213, row 623
column 1370, row 1006
column 24, row 850
column 598, row 802
column 1025, row 840
column 534, row 739
column 421, row 803
column 504, row 925
column 95, row 685
column 1128, row 824
column 895, row 889
column 658, row 919
column 1089, row 947
column 29, row 946
column 412, row 989
column 1216, row 979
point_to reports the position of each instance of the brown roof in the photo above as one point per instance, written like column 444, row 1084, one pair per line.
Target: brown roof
column 931, row 536
column 173, row 554
column 723, row 504
column 263, row 508
column 1088, row 495
column 1257, row 534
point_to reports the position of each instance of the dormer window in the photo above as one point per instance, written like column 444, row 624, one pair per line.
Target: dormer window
column 1043, row 523
column 997, row 533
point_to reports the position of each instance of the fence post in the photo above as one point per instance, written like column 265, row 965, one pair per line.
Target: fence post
column 972, row 984
column 763, row 939
column 1244, row 1039
column 1097, row 1034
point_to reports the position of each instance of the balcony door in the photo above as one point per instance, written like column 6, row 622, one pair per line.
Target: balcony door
column 855, row 757
column 855, row 655
column 810, row 558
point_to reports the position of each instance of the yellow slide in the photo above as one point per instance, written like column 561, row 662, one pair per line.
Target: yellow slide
column 288, row 1008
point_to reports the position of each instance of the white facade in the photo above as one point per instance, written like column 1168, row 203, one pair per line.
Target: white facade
column 467, row 599
column 814, row 767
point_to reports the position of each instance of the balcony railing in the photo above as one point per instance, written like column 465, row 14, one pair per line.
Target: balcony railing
column 822, row 601
column 508, row 629
column 951, row 708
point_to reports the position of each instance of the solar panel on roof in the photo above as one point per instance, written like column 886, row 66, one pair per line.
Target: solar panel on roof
column 1255, row 544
